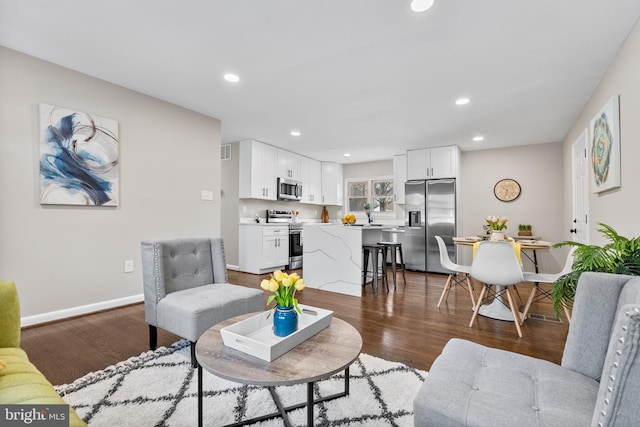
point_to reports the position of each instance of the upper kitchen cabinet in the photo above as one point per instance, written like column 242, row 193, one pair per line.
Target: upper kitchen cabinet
column 430, row 163
column 257, row 177
column 288, row 165
column 332, row 183
column 311, row 177
column 399, row 176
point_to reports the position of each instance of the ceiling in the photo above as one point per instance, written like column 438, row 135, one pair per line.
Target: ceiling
column 367, row 77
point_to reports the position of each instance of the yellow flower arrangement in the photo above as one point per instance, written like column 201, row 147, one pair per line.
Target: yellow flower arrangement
column 284, row 287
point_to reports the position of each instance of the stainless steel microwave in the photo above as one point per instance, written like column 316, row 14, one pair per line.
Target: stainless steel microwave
column 289, row 190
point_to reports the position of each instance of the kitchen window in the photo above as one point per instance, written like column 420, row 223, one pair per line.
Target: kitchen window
column 378, row 192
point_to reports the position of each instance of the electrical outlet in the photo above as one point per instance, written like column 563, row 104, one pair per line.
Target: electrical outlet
column 128, row 266
column 207, row 195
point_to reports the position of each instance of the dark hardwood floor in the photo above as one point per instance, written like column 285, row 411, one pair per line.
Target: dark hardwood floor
column 403, row 325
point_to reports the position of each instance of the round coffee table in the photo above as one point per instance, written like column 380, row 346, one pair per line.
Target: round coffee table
column 331, row 350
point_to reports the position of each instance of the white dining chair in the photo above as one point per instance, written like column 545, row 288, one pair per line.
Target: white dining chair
column 455, row 270
column 538, row 278
column 496, row 263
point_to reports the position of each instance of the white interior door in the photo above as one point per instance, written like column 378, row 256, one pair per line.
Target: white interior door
column 580, row 225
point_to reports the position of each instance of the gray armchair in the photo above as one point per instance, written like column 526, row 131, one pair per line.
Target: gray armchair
column 597, row 384
column 186, row 290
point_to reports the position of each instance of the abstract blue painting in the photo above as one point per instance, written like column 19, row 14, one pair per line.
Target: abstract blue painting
column 78, row 158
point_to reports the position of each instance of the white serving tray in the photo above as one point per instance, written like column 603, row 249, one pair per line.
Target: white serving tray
column 255, row 336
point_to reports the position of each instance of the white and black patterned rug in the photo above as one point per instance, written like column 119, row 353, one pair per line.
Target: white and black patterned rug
column 160, row 389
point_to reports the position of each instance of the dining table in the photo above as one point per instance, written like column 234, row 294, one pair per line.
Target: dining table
column 498, row 309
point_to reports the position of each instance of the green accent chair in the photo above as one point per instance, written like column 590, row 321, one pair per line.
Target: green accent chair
column 20, row 381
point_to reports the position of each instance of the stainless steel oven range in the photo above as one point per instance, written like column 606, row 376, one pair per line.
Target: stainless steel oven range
column 295, row 245
column 295, row 235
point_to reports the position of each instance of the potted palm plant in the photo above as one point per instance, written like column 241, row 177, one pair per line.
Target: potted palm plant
column 620, row 256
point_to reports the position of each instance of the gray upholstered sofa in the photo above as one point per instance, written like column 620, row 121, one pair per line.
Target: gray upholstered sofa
column 186, row 289
column 598, row 383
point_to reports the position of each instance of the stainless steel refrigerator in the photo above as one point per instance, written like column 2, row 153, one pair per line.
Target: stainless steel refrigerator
column 430, row 210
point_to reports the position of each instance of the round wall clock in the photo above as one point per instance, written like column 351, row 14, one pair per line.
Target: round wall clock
column 507, row 190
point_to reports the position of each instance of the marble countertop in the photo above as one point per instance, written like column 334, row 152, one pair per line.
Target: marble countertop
column 269, row 224
column 378, row 227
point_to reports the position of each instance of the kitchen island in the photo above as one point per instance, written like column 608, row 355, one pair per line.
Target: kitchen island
column 332, row 255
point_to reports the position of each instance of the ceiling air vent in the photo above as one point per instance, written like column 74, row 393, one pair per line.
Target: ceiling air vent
column 225, row 152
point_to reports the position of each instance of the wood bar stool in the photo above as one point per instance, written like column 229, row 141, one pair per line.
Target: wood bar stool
column 395, row 250
column 378, row 270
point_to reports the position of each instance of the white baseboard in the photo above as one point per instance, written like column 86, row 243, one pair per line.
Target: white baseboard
column 233, row 267
column 78, row 311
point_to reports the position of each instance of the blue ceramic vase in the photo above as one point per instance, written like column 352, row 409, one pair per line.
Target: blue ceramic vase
column 285, row 321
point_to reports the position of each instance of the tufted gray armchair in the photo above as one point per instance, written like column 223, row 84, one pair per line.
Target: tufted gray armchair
column 186, row 290
column 598, row 383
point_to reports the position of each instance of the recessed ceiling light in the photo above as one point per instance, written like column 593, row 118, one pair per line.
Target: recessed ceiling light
column 347, row 154
column 233, row 78
column 462, row 101
column 478, row 138
column 295, row 133
column 421, row 5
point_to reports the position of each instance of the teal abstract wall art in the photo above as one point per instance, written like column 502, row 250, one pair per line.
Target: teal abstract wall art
column 78, row 158
column 604, row 133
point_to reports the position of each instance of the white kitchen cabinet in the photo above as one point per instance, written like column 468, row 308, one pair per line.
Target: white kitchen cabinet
column 263, row 247
column 332, row 183
column 311, row 177
column 275, row 247
column 430, row 163
column 444, row 162
column 288, row 165
column 258, row 176
column 418, row 163
column 399, row 176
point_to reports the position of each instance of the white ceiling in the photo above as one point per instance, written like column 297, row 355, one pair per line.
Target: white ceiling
column 368, row 77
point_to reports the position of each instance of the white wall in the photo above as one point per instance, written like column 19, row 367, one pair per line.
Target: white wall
column 538, row 170
column 617, row 207
column 368, row 169
column 64, row 258
column 230, row 205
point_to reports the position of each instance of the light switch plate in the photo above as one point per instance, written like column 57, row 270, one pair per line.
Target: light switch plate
column 207, row 195
column 128, row 266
